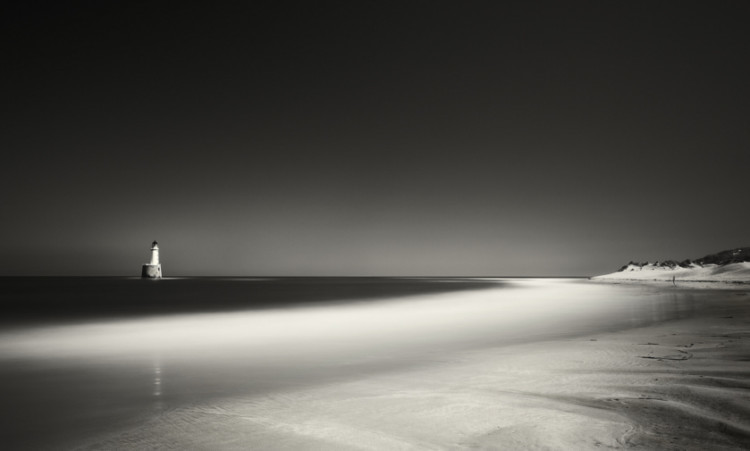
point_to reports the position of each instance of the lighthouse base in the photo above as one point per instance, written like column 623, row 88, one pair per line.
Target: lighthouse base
column 151, row 271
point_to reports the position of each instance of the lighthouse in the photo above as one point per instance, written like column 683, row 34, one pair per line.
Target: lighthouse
column 152, row 269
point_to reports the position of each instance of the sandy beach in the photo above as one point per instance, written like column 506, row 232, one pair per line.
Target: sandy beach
column 652, row 388
column 649, row 368
column 680, row 384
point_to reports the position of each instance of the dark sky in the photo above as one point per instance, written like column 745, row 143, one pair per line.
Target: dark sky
column 372, row 137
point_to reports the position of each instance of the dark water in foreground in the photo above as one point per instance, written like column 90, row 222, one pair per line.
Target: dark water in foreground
column 82, row 359
column 28, row 300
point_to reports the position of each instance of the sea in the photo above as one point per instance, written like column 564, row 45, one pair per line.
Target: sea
column 85, row 359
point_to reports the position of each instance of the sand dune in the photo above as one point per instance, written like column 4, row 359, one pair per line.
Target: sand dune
column 733, row 272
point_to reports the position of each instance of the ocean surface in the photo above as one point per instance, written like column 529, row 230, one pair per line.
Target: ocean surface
column 83, row 360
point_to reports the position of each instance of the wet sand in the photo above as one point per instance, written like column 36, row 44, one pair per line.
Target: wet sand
column 656, row 388
column 680, row 384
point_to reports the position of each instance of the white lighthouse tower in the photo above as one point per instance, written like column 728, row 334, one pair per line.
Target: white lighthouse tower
column 152, row 269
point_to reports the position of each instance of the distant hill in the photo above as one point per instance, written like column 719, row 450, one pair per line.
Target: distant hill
column 726, row 266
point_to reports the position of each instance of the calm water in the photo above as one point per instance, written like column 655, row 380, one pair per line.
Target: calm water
column 84, row 358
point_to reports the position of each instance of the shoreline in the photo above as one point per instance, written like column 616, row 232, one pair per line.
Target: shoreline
column 679, row 283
